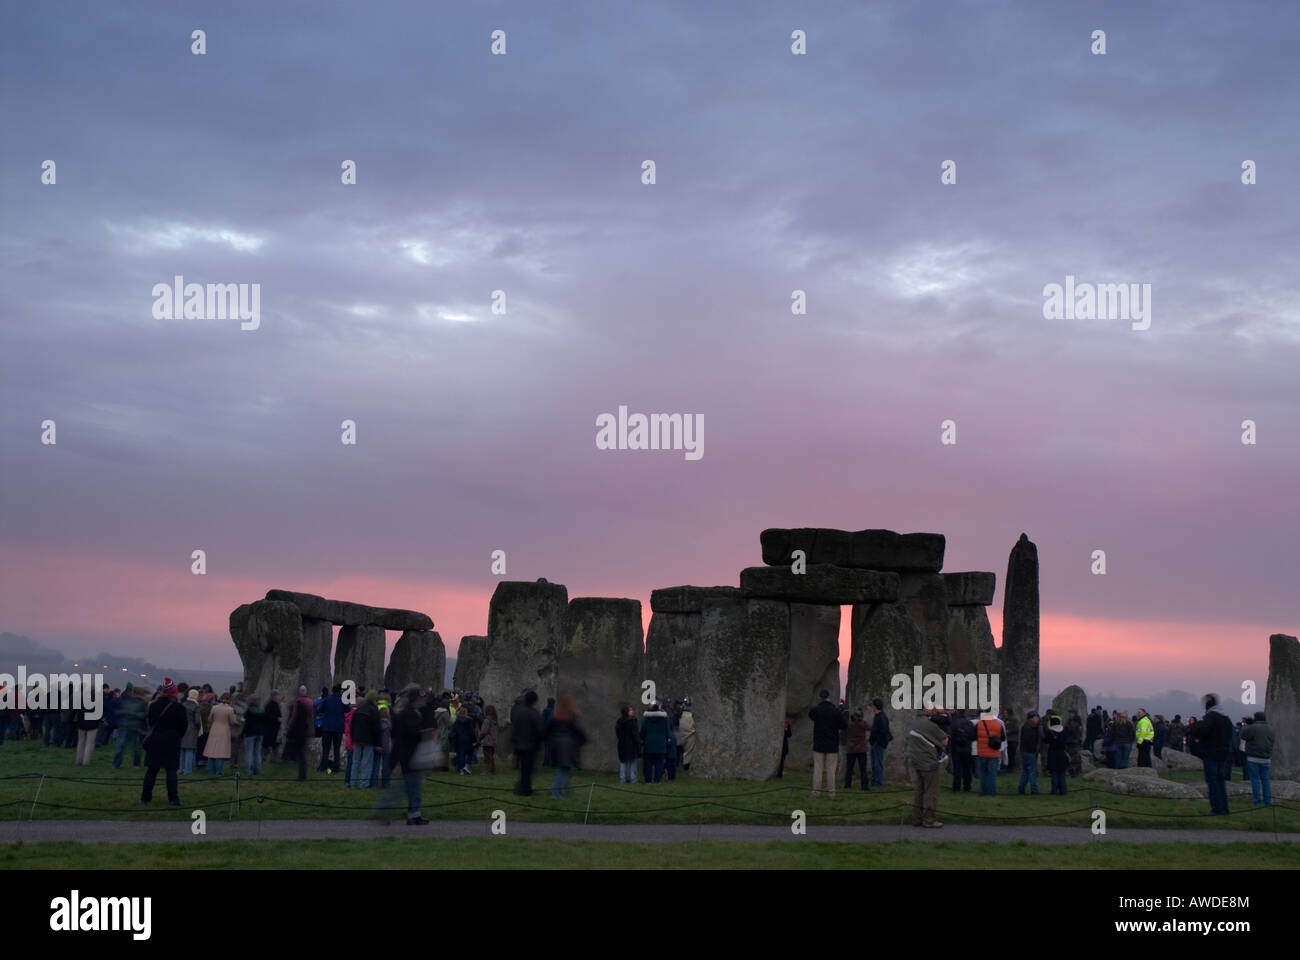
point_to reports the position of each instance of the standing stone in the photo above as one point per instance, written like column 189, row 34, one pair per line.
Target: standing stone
column 471, row 660
column 418, row 657
column 926, row 597
column 886, row 642
column 1019, row 652
column 739, row 700
column 970, row 642
column 672, row 644
column 317, row 643
column 268, row 636
column 359, row 657
column 1072, row 697
column 970, row 589
column 1282, row 703
column 687, row 599
column 601, row 667
column 814, row 666
column 525, row 640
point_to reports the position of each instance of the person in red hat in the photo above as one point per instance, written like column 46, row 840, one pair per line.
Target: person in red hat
column 167, row 721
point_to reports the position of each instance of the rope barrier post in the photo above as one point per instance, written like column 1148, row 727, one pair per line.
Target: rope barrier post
column 589, row 793
column 234, row 799
column 35, row 798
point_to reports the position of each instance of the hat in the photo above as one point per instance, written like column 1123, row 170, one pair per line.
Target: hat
column 411, row 691
column 824, row 695
column 168, row 687
column 193, row 694
column 1056, row 727
column 128, row 686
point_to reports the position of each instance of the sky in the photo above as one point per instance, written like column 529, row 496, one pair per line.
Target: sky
column 774, row 172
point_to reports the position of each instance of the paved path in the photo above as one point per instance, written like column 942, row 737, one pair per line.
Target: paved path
column 178, row 831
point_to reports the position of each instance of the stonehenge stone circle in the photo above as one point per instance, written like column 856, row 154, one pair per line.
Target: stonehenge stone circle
column 418, row 657
column 359, row 657
column 814, row 666
column 602, row 665
column 1018, row 655
column 1282, row 702
column 471, row 658
column 822, row 583
column 525, row 640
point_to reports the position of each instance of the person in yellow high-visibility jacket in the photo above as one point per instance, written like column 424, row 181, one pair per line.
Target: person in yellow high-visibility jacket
column 1146, row 735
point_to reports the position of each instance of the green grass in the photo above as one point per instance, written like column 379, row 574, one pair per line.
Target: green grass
column 494, row 853
column 114, row 794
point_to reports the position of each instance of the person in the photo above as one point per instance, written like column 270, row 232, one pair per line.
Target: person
column 686, row 734
column 298, row 729
column 168, row 721
column 924, row 741
column 239, row 711
column 384, row 749
column 828, row 721
column 629, row 744
column 86, row 728
column 1239, row 754
column 546, row 726
column 990, row 735
column 254, row 734
column 331, row 726
column 1212, row 737
column 878, row 741
column 271, row 724
column 855, row 750
column 527, row 731
column 443, row 721
column 1057, row 758
column 1093, row 732
column 1145, row 734
column 1012, row 727
column 567, row 738
column 130, row 724
column 961, row 734
column 1258, row 739
column 190, row 739
column 488, row 738
column 105, row 728
column 1029, row 740
column 1177, row 733
column 464, row 737
column 654, row 743
column 786, row 732
column 365, row 738
column 1124, row 733
column 670, row 753
column 217, row 749
column 1074, row 743
column 1162, row 736
column 407, row 723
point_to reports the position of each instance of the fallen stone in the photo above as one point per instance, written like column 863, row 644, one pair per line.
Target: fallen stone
column 1018, row 655
column 601, row 667
column 1284, row 789
column 1178, row 760
column 739, row 698
column 1102, row 773
column 822, row 584
column 359, row 657
column 1149, row 787
column 418, row 657
column 347, row 614
column 687, row 599
column 525, row 640
column 864, row 549
column 814, row 666
column 1282, row 699
column 471, row 661
column 970, row 589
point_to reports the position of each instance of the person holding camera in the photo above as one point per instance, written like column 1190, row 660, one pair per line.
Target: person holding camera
column 925, row 740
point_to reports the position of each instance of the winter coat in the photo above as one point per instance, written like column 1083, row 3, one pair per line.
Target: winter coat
column 984, row 729
column 131, row 714
column 1029, row 737
column 300, row 720
column 567, row 738
column 1058, row 760
column 331, row 709
column 271, row 722
column 880, row 735
column 629, row 741
column 487, row 734
column 856, row 741
column 1214, row 734
column 463, row 733
column 1259, row 739
column 218, row 745
column 190, row 739
column 654, row 732
column 365, row 725
column 443, row 721
column 1124, row 732
column 828, row 720
column 526, row 728
column 686, row 737
column 406, row 736
column 385, row 735
column 168, row 720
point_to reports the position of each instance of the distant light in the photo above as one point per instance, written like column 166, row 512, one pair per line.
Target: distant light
column 124, row 669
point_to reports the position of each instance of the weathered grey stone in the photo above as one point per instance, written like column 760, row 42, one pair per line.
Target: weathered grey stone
column 1282, row 699
column 672, row 644
column 1285, row 790
column 739, row 697
column 970, row 589
column 525, row 640
column 886, row 642
column 822, row 584
column 1018, row 654
column 1106, row 773
column 317, row 644
column 814, row 666
column 471, row 661
column 926, row 598
column 359, row 656
column 1072, row 697
column 344, row 613
column 1149, row 787
column 687, row 599
column 1178, row 760
column 268, row 637
column 864, row 549
column 601, row 667
column 970, row 641
column 418, row 657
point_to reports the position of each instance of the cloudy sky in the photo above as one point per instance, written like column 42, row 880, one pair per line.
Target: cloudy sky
column 775, row 172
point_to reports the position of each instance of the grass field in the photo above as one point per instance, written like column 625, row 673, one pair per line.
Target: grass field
column 101, row 793
column 508, row 853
